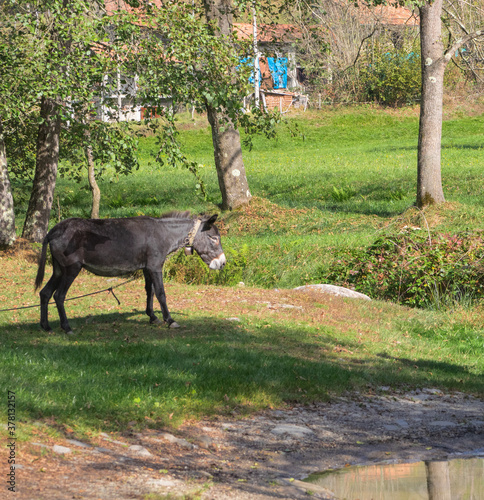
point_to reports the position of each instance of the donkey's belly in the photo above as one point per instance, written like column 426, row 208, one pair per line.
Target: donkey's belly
column 109, row 270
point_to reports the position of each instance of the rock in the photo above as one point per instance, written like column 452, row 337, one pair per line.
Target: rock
column 179, row 441
column 206, row 442
column 120, row 443
column 339, row 291
column 100, row 449
column 442, row 423
column 420, row 397
column 435, row 392
column 477, row 423
column 114, row 441
column 278, row 414
column 74, row 442
column 61, row 450
column 295, row 431
column 283, row 306
column 139, row 451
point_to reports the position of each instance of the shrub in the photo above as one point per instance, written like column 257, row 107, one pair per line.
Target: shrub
column 391, row 78
column 192, row 270
column 415, row 268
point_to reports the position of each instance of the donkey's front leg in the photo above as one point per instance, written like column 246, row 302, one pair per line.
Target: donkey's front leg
column 157, row 280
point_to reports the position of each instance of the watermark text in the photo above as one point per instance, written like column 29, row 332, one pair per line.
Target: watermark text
column 11, row 441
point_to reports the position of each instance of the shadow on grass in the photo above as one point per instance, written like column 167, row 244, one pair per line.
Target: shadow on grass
column 413, row 147
column 465, row 379
column 118, row 369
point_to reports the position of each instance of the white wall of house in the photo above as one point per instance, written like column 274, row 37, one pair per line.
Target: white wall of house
column 119, row 100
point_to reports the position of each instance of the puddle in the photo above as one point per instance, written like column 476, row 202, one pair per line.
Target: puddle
column 461, row 479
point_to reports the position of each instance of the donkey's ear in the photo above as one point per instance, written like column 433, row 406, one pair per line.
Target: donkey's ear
column 211, row 220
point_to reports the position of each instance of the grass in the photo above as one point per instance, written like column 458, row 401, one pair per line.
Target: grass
column 336, row 184
column 120, row 373
column 337, row 181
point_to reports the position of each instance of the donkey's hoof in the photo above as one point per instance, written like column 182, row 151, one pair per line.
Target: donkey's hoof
column 174, row 325
column 155, row 321
column 70, row 332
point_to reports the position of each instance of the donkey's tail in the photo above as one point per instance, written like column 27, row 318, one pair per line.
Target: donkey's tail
column 42, row 260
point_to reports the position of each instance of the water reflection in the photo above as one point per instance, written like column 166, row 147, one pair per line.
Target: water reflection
column 459, row 479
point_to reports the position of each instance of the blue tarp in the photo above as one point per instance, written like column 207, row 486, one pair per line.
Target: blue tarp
column 278, row 69
column 248, row 61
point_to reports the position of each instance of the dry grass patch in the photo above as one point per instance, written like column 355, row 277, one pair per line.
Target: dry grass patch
column 262, row 216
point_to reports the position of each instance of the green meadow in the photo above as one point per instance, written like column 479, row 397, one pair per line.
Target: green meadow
column 331, row 181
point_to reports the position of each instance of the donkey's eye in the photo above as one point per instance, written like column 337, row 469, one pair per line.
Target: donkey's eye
column 215, row 239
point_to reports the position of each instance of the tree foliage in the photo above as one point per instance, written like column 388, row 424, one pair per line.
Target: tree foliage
column 181, row 53
column 53, row 56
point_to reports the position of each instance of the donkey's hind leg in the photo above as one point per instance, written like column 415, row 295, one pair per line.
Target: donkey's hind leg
column 68, row 277
column 46, row 294
column 149, row 298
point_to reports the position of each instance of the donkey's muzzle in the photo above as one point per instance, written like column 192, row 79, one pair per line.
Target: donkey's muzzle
column 218, row 263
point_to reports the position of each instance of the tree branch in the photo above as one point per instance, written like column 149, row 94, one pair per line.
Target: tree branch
column 361, row 45
column 456, row 20
column 462, row 41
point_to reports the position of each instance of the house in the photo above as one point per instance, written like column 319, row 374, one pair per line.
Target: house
column 120, row 89
column 275, row 43
column 280, row 75
column 282, row 79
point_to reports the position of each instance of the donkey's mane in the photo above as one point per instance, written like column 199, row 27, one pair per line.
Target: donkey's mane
column 176, row 214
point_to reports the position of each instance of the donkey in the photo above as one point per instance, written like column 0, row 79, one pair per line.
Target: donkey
column 116, row 247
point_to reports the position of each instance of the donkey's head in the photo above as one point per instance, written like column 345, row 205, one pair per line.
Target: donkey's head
column 206, row 242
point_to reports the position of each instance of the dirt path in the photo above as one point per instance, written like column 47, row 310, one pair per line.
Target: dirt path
column 261, row 457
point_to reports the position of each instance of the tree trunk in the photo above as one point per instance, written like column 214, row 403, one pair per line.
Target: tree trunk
column 228, row 161
column 429, row 181
column 96, row 192
column 226, row 138
column 438, row 480
column 40, row 204
column 7, row 216
column 91, row 175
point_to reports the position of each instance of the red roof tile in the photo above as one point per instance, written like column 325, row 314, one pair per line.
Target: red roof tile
column 268, row 32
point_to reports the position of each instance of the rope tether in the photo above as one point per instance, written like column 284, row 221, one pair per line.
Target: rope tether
column 110, row 290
